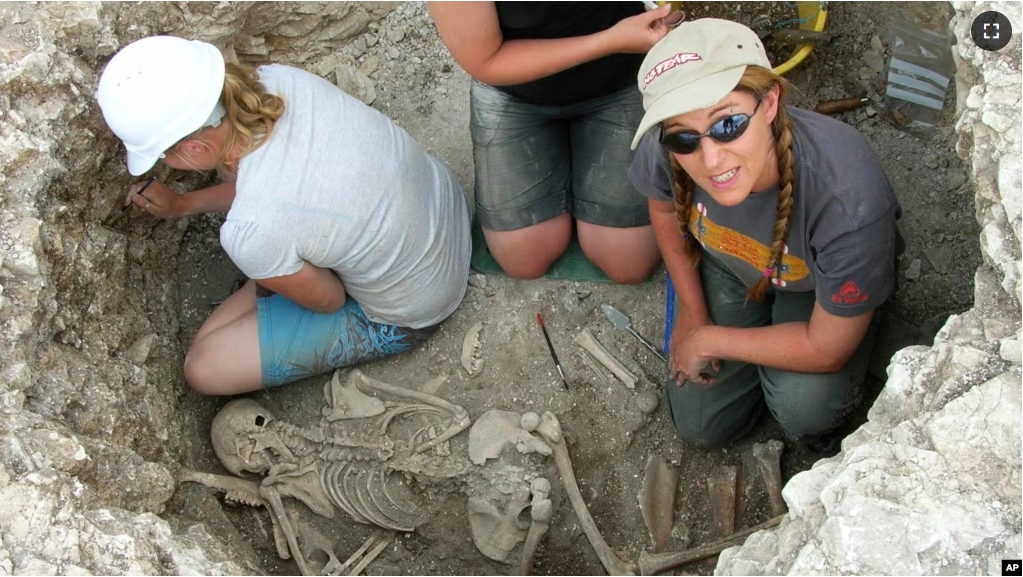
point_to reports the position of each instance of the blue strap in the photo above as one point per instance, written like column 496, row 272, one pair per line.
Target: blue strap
column 669, row 310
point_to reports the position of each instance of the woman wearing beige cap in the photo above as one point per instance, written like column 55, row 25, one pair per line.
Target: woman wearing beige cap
column 777, row 226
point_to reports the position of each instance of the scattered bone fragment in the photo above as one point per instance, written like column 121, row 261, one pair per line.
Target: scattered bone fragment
column 655, row 563
column 768, row 457
column 138, row 352
column 550, row 429
column 434, row 384
column 594, row 367
column 657, row 500
column 721, row 490
column 589, row 343
column 471, row 361
column 541, row 510
column 647, row 402
column 364, row 555
column 741, row 493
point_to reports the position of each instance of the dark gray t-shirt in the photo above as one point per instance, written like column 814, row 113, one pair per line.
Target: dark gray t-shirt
column 842, row 237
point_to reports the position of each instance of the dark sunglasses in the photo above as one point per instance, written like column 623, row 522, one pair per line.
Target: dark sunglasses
column 725, row 130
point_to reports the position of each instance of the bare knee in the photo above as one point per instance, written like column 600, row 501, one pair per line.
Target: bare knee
column 627, row 256
column 525, row 270
column 527, row 253
column 630, row 275
column 198, row 373
column 211, row 371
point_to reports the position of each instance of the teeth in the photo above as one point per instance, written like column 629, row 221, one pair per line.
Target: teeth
column 724, row 177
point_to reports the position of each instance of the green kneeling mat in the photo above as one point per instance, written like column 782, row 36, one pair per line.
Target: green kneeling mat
column 573, row 265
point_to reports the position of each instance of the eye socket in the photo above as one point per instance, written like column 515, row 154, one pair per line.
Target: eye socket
column 260, row 420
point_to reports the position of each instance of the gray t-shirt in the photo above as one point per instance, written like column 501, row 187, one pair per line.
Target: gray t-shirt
column 842, row 236
column 341, row 186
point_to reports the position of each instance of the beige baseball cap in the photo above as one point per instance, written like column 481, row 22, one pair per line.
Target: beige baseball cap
column 694, row 67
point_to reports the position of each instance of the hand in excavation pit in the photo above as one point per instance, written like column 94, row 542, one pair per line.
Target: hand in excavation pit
column 685, row 363
column 157, row 200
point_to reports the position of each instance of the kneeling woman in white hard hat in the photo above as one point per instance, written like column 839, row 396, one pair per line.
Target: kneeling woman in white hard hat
column 356, row 240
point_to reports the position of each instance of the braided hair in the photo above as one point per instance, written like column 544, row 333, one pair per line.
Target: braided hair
column 759, row 82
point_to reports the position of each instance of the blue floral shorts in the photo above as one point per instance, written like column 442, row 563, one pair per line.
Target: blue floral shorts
column 295, row 342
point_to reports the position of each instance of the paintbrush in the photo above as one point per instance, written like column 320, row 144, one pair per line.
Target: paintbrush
column 127, row 206
column 550, row 346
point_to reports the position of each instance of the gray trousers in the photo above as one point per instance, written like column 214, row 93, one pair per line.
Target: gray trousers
column 803, row 403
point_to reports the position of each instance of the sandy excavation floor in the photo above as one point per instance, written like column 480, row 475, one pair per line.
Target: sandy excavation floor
column 609, row 438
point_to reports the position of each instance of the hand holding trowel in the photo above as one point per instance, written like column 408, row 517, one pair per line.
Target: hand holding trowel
column 621, row 321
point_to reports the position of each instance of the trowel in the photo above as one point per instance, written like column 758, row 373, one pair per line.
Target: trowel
column 620, row 321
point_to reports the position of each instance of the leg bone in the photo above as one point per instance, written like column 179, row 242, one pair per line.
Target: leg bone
column 541, row 511
column 550, row 429
column 721, row 489
column 768, row 457
column 586, row 340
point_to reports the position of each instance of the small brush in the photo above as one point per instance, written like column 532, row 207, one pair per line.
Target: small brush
column 127, row 206
column 550, row 346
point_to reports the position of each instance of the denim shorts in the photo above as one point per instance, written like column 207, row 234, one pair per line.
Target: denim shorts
column 295, row 342
column 535, row 162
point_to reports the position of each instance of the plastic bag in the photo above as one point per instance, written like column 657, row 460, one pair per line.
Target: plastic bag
column 919, row 73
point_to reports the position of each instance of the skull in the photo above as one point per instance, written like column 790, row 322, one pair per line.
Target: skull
column 239, row 437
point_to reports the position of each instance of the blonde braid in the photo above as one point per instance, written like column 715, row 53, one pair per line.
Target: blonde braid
column 782, row 129
column 683, row 187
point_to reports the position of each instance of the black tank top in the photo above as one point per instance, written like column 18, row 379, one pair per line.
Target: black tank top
column 564, row 20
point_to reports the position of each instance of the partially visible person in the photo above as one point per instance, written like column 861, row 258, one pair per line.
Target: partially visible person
column 356, row 240
column 553, row 105
column 778, row 228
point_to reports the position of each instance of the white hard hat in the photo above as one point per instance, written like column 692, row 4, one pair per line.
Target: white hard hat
column 158, row 90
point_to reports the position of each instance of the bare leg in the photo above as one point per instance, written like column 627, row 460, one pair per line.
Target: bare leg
column 242, row 301
column 527, row 253
column 224, row 357
column 626, row 255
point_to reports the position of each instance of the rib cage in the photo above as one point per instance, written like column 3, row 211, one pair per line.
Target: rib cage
column 363, row 495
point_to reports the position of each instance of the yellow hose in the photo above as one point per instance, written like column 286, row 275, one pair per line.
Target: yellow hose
column 812, row 16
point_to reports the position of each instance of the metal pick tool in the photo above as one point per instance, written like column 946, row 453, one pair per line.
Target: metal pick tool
column 620, row 321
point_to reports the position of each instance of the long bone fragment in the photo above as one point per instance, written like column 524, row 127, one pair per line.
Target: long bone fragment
column 768, row 457
column 654, row 563
column 369, row 557
column 721, row 494
column 657, row 500
column 242, row 491
column 589, row 343
column 550, row 429
column 273, row 499
column 541, row 510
